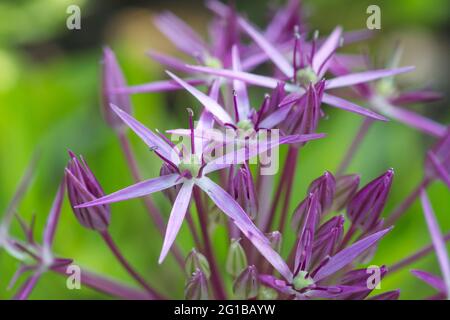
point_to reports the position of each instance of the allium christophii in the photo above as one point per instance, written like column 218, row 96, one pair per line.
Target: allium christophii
column 212, row 170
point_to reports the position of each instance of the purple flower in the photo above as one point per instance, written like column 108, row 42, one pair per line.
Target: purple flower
column 190, row 172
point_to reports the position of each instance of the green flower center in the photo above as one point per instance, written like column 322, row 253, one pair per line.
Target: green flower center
column 191, row 164
column 306, row 76
column 302, row 280
column 386, row 87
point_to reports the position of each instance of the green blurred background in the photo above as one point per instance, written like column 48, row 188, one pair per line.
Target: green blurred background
column 49, row 99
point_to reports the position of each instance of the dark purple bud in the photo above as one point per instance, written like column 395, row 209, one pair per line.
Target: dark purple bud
column 112, row 81
column 196, row 288
column 365, row 208
column 327, row 238
column 196, row 261
column 324, row 187
column 246, row 285
column 82, row 186
column 346, row 187
column 243, row 190
column 363, row 278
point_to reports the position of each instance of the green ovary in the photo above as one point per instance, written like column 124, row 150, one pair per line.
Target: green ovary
column 306, row 76
column 302, row 280
column 191, row 164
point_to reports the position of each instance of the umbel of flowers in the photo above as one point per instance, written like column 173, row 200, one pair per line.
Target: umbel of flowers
column 212, row 177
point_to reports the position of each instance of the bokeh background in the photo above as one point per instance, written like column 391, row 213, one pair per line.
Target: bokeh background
column 49, row 99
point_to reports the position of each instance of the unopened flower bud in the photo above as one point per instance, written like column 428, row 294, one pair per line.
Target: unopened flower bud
column 243, row 190
column 82, row 186
column 236, row 260
column 195, row 260
column 324, row 187
column 112, row 80
column 246, row 284
column 346, row 187
column 196, row 288
column 365, row 208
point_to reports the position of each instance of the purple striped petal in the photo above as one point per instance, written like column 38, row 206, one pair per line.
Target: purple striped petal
column 176, row 217
column 390, row 295
column 137, row 190
column 168, row 61
column 349, row 106
column 334, row 292
column 275, row 117
column 180, row 34
column 277, row 284
column 416, row 97
column 53, row 217
column 415, row 120
column 158, row 86
column 249, row 78
column 438, row 241
column 231, row 208
column 151, row 139
column 243, row 104
column 211, row 105
column 348, row 255
column 356, row 78
column 430, row 279
column 277, row 57
column 328, row 47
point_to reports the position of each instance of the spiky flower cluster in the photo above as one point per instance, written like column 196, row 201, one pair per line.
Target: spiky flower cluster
column 337, row 224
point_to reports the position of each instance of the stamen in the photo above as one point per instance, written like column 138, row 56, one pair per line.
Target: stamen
column 191, row 126
column 236, row 111
column 262, row 110
column 296, row 50
column 313, row 47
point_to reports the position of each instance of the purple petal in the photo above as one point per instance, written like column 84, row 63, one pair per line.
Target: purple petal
column 181, row 34
column 328, row 47
column 27, row 287
column 415, row 120
column 53, row 217
column 209, row 104
column 277, row 284
column 438, row 241
column 347, row 255
column 415, row 97
column 275, row 117
column 431, row 279
column 168, row 61
column 439, row 167
column 241, row 155
column 239, row 75
column 356, row 78
column 158, row 86
column 151, row 139
column 176, row 217
column 231, row 208
column 239, row 87
column 137, row 190
column 334, row 292
column 277, row 57
column 390, row 295
column 349, row 106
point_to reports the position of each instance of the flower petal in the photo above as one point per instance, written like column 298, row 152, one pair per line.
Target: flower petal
column 349, row 106
column 327, row 48
column 277, row 57
column 360, row 77
column 430, row 279
column 439, row 167
column 176, row 217
column 249, row 78
column 212, row 106
column 231, row 208
column 348, row 255
column 53, row 216
column 137, row 190
column 275, row 117
column 157, row 86
column 416, row 97
column 438, row 241
column 168, row 61
column 239, row 87
column 151, row 139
